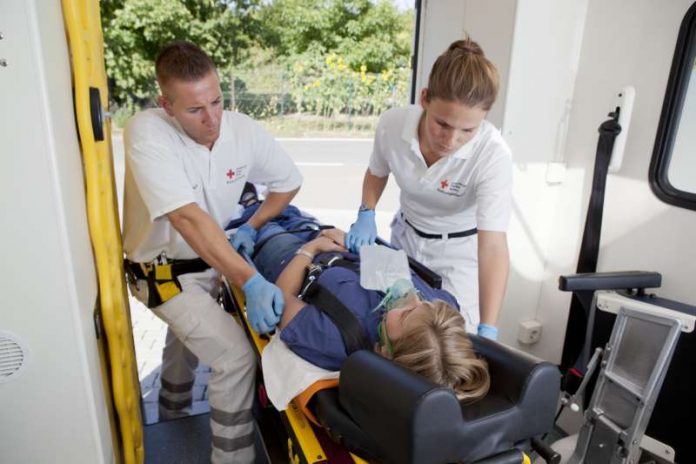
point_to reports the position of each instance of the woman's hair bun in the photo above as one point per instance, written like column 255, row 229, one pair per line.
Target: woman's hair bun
column 466, row 45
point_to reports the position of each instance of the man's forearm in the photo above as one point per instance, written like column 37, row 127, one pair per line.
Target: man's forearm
column 494, row 266
column 271, row 207
column 209, row 241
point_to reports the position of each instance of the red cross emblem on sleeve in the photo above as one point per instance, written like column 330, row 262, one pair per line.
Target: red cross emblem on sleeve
column 444, row 184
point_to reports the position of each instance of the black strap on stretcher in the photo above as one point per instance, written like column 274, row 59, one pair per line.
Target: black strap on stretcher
column 352, row 332
column 589, row 249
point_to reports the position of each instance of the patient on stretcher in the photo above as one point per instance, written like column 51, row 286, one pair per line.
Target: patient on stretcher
column 421, row 330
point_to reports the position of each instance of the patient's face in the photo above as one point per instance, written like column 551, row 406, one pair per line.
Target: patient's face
column 397, row 320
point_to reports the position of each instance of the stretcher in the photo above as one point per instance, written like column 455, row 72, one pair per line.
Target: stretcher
column 381, row 412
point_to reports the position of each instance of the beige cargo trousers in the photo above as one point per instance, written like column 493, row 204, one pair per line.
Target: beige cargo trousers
column 199, row 329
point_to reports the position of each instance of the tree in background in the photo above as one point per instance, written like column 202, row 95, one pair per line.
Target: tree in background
column 364, row 32
column 135, row 30
column 342, row 57
column 327, row 58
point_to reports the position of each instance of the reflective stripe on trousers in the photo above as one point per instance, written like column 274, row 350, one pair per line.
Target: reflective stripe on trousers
column 201, row 329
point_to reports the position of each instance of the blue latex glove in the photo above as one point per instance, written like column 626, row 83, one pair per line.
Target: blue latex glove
column 264, row 302
column 488, row 331
column 243, row 239
column 363, row 231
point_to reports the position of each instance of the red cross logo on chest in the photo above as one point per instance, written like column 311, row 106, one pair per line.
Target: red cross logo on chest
column 444, row 184
column 230, row 174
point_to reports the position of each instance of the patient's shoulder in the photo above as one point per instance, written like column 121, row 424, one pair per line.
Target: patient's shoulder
column 429, row 293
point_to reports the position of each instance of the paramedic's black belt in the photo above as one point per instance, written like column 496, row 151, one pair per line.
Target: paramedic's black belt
column 420, row 233
column 179, row 266
column 163, row 277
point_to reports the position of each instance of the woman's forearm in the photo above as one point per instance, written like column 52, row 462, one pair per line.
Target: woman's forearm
column 494, row 265
column 373, row 187
column 290, row 280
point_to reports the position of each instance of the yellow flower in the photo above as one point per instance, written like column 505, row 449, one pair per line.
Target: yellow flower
column 330, row 59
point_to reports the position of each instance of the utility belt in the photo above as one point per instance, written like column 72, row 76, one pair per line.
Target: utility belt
column 420, row 233
column 162, row 276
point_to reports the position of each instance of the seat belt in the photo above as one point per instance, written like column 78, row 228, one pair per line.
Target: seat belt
column 589, row 251
column 352, row 332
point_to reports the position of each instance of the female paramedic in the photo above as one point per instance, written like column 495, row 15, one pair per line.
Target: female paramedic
column 414, row 324
column 455, row 174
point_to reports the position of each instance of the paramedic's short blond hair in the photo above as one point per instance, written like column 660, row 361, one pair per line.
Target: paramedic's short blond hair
column 463, row 74
column 438, row 348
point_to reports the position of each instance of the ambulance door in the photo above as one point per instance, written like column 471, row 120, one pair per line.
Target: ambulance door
column 62, row 286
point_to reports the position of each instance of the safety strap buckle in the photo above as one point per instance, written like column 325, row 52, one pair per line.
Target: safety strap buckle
column 313, row 273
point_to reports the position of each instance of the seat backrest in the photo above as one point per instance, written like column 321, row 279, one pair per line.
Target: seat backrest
column 411, row 420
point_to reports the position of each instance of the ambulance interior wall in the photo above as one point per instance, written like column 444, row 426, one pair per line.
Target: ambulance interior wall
column 626, row 42
column 561, row 64
column 53, row 409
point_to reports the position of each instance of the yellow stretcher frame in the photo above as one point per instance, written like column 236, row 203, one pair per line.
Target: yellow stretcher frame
column 83, row 25
column 305, row 440
column 303, row 445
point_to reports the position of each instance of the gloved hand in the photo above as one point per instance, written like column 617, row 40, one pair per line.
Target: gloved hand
column 243, row 239
column 363, row 231
column 264, row 302
column 487, row 331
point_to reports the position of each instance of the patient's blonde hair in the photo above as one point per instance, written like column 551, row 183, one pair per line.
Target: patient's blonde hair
column 439, row 349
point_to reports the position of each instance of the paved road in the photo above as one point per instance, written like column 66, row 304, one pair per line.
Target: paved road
column 333, row 170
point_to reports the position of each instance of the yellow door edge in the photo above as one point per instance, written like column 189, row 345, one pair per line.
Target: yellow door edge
column 83, row 26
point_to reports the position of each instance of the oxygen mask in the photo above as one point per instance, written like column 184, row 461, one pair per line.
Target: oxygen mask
column 397, row 295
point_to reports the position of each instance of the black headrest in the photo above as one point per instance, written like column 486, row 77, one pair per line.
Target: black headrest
column 403, row 418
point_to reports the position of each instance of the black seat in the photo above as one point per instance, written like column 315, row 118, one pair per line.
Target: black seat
column 386, row 413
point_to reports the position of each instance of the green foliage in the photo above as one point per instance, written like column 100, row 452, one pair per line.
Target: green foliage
column 135, row 30
column 326, row 85
column 121, row 115
column 343, row 59
column 365, row 33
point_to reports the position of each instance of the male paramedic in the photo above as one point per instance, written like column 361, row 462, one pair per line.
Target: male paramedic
column 186, row 166
column 455, row 174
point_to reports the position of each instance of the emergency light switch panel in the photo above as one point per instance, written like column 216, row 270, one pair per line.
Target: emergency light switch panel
column 529, row 332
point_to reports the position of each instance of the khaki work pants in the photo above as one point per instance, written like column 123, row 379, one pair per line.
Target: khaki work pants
column 199, row 329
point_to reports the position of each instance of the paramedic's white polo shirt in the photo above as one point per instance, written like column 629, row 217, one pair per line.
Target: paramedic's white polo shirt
column 165, row 169
column 470, row 188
